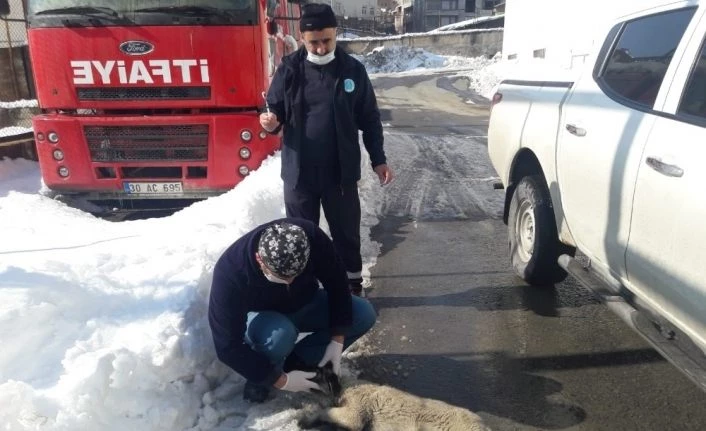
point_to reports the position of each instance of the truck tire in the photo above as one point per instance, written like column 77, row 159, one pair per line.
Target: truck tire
column 533, row 239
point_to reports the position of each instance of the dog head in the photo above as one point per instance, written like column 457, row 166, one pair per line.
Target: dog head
column 328, row 381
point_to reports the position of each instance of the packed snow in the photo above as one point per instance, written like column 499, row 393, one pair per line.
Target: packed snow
column 396, row 59
column 461, row 25
column 14, row 131
column 24, row 103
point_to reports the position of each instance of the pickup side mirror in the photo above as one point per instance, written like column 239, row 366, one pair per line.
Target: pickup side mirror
column 4, row 7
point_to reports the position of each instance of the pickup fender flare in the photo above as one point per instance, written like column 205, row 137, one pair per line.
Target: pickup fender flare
column 525, row 163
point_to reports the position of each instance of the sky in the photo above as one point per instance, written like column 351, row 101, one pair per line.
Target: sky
column 103, row 324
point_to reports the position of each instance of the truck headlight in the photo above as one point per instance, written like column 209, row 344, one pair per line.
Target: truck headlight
column 246, row 135
column 53, row 137
column 263, row 134
column 58, row 155
column 63, row 171
column 244, row 153
column 243, row 170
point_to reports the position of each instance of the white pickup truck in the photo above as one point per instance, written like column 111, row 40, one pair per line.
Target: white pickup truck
column 613, row 164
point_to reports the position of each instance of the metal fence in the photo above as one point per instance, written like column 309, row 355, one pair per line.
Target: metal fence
column 15, row 71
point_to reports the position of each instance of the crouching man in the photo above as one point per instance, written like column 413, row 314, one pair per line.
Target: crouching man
column 266, row 291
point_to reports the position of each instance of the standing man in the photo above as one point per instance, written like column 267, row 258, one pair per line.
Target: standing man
column 265, row 291
column 320, row 96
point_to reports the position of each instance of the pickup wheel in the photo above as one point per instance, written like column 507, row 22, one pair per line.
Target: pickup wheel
column 534, row 242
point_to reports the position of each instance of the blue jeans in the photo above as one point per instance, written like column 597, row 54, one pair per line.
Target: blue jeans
column 275, row 334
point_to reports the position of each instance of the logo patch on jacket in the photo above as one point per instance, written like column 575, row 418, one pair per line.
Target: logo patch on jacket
column 348, row 85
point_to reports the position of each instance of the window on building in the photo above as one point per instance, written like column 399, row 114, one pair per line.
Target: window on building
column 470, row 5
column 365, row 10
column 539, row 53
column 432, row 22
column 449, row 4
column 446, row 20
column 638, row 62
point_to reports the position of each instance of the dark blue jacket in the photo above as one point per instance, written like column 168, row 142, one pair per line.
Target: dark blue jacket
column 239, row 287
column 355, row 108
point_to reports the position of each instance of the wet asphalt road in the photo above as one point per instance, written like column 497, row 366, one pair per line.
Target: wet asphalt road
column 456, row 325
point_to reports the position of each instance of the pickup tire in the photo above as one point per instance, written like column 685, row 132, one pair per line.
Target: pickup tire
column 533, row 239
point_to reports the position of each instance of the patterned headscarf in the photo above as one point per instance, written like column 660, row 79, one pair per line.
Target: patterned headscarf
column 284, row 248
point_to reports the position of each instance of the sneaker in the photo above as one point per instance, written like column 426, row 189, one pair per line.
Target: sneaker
column 356, row 286
column 255, row 393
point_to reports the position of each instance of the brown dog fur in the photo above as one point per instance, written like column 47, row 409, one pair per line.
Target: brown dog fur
column 367, row 406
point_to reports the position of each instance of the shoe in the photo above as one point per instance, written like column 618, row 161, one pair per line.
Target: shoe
column 356, row 286
column 255, row 393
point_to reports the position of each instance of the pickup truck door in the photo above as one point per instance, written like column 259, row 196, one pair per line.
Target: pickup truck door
column 666, row 256
column 605, row 124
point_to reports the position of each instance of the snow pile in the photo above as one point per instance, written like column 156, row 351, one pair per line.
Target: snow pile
column 14, row 130
column 405, row 59
column 16, row 104
column 461, row 25
column 104, row 324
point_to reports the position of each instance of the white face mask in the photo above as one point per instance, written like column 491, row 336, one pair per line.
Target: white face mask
column 274, row 279
column 321, row 60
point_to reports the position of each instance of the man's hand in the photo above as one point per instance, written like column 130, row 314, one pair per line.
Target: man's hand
column 333, row 354
column 297, row 381
column 384, row 174
column 268, row 121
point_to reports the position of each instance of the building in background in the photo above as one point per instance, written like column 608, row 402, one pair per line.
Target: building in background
column 403, row 16
column 365, row 17
column 432, row 14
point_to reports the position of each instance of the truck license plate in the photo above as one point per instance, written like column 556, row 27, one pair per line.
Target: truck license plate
column 152, row 188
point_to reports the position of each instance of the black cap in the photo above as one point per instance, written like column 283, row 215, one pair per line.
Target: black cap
column 317, row 16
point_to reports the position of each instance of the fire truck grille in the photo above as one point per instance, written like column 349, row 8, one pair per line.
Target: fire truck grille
column 137, row 143
column 144, row 93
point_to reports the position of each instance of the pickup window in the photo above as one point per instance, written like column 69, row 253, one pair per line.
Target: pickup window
column 694, row 97
column 638, row 60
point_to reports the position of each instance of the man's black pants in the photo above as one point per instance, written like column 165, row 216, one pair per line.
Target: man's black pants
column 341, row 204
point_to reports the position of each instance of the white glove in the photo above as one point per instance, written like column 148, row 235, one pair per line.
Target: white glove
column 298, row 381
column 333, row 354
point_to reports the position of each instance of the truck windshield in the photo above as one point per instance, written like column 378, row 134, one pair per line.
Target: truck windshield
column 54, row 13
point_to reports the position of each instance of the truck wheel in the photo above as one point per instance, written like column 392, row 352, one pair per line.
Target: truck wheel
column 533, row 238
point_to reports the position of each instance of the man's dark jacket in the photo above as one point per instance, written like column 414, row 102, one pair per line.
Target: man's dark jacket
column 239, row 287
column 355, row 108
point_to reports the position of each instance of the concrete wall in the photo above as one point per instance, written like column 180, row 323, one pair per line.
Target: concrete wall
column 469, row 43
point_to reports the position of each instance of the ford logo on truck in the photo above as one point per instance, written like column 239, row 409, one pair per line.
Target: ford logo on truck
column 136, row 47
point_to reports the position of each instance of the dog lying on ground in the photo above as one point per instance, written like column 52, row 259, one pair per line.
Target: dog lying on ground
column 360, row 405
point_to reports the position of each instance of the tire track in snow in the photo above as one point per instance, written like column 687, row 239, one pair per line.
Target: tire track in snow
column 441, row 177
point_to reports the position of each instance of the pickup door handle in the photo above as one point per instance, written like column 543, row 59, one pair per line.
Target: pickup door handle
column 664, row 168
column 575, row 130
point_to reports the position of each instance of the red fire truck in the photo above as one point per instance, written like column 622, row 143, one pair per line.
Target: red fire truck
column 153, row 101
